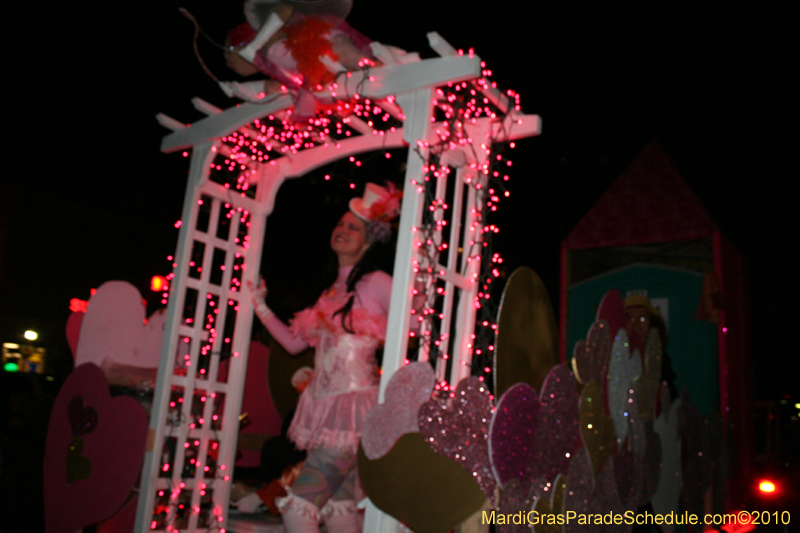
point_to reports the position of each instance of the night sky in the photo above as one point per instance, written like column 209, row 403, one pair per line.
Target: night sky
column 89, row 197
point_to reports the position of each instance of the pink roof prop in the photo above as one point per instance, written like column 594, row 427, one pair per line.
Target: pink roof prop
column 648, row 203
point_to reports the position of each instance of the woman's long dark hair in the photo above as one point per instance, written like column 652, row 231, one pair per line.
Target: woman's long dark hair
column 369, row 262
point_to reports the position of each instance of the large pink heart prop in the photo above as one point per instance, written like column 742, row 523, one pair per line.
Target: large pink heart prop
column 559, row 436
column 590, row 357
column 532, row 439
column 512, row 434
column 112, row 435
column 114, row 328
column 409, row 388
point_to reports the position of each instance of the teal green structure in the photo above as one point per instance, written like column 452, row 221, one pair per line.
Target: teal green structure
column 692, row 345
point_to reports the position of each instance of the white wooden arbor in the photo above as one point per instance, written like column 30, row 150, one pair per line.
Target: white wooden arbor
column 194, row 421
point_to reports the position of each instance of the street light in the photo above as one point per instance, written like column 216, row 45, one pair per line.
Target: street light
column 31, row 335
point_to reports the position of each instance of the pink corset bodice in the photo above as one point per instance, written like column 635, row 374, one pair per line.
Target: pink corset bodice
column 344, row 385
column 344, row 364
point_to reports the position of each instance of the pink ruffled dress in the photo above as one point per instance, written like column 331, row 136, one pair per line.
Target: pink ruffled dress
column 344, row 386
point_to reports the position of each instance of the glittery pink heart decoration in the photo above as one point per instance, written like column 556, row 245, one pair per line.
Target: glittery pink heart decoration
column 458, row 428
column 515, row 498
column 533, row 440
column 558, row 434
column 579, row 490
column 512, row 434
column 407, row 390
column 585, row 496
column 590, row 357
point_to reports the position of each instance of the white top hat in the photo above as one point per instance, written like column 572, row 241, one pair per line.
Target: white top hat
column 378, row 203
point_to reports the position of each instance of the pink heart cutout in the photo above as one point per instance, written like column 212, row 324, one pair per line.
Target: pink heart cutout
column 590, row 357
column 115, row 448
column 558, row 436
column 532, row 438
column 512, row 434
column 459, row 429
column 114, row 328
column 408, row 389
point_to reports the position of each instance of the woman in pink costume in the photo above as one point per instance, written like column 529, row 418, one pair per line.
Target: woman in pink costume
column 346, row 326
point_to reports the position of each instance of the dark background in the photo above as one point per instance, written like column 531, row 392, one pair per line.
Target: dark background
column 87, row 197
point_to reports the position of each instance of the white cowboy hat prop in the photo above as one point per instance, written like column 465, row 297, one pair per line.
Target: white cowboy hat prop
column 257, row 11
column 378, row 204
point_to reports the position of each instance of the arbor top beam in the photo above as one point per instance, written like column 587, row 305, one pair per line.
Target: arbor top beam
column 377, row 83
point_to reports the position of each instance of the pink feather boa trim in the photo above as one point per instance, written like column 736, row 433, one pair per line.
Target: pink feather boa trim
column 310, row 323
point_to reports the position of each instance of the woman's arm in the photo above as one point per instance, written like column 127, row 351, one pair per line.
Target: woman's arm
column 294, row 344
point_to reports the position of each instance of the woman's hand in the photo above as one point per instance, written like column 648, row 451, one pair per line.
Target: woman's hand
column 259, row 293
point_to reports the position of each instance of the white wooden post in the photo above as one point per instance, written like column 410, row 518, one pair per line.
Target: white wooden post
column 417, row 107
column 472, row 242
column 451, row 286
